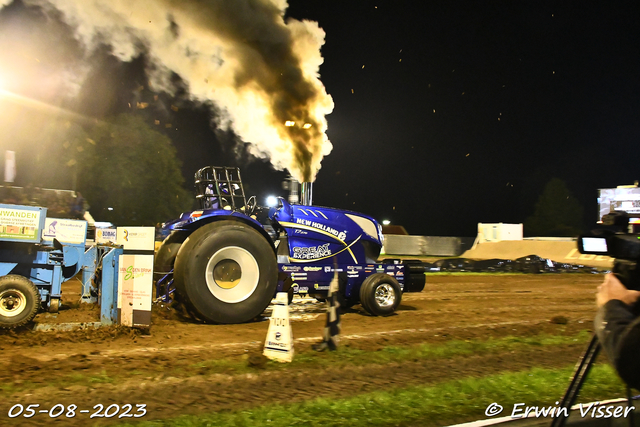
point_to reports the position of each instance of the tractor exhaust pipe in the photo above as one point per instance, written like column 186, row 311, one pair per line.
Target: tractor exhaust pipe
column 307, row 193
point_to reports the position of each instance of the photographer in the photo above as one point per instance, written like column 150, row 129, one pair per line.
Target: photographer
column 618, row 328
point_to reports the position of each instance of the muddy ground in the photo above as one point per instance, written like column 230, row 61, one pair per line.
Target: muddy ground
column 169, row 369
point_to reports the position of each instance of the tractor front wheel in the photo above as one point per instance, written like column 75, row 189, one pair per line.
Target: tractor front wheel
column 380, row 294
column 226, row 272
column 19, row 301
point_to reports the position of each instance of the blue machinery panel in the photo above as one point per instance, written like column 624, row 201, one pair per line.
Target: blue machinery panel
column 109, row 294
column 102, row 262
column 49, row 263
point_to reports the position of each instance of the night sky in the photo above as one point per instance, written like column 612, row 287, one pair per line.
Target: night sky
column 464, row 110
column 446, row 113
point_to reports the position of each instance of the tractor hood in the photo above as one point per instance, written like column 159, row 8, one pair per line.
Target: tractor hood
column 318, row 233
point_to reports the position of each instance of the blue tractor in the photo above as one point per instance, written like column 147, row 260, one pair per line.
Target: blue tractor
column 226, row 261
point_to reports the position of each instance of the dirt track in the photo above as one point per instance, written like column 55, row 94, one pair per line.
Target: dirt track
column 173, row 370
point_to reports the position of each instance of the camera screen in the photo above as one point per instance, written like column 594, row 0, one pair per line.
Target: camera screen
column 594, row 244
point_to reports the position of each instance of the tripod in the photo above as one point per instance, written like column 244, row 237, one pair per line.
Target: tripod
column 579, row 376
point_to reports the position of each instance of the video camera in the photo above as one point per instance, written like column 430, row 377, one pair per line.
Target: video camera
column 613, row 239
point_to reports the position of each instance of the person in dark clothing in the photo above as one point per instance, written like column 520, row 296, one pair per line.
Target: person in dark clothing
column 618, row 328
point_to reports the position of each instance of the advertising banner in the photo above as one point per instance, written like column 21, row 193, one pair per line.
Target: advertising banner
column 136, row 238
column 21, row 223
column 65, row 230
column 106, row 235
column 619, row 199
column 135, row 275
column 135, row 280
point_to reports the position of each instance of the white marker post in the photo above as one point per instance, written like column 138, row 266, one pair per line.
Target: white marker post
column 279, row 343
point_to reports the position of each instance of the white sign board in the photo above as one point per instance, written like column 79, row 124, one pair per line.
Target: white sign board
column 65, row 230
column 135, row 288
column 106, row 235
column 136, row 238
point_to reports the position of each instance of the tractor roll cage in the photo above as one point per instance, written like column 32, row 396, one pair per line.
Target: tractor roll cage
column 219, row 187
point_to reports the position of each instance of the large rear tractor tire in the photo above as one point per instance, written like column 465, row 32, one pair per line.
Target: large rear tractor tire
column 380, row 294
column 19, row 301
column 226, row 272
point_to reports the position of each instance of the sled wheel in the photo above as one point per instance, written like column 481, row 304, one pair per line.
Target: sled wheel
column 54, row 305
column 19, row 301
column 380, row 294
column 226, row 272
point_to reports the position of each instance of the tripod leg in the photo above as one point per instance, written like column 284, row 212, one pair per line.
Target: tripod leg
column 580, row 374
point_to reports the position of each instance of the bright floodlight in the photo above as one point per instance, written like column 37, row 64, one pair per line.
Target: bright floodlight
column 386, row 222
column 306, row 126
column 289, row 123
column 272, row 201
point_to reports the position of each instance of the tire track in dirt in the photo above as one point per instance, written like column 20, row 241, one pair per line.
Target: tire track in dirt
column 171, row 381
column 251, row 345
column 170, row 396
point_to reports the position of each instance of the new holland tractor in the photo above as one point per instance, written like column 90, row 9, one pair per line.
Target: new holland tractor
column 226, row 261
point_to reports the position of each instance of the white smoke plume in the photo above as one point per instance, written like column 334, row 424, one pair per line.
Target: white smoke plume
column 240, row 55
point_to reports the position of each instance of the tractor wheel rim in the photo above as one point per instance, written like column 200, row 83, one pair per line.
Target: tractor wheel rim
column 384, row 295
column 12, row 303
column 232, row 274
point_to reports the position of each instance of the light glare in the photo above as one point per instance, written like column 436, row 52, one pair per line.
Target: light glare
column 272, row 201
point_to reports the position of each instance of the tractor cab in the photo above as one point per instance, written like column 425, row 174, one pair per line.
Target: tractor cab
column 220, row 187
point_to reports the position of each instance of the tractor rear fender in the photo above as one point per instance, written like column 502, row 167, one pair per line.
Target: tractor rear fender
column 181, row 234
column 166, row 255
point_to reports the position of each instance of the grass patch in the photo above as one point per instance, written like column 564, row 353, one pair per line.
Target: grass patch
column 236, row 365
column 440, row 404
column 100, row 378
column 453, row 348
